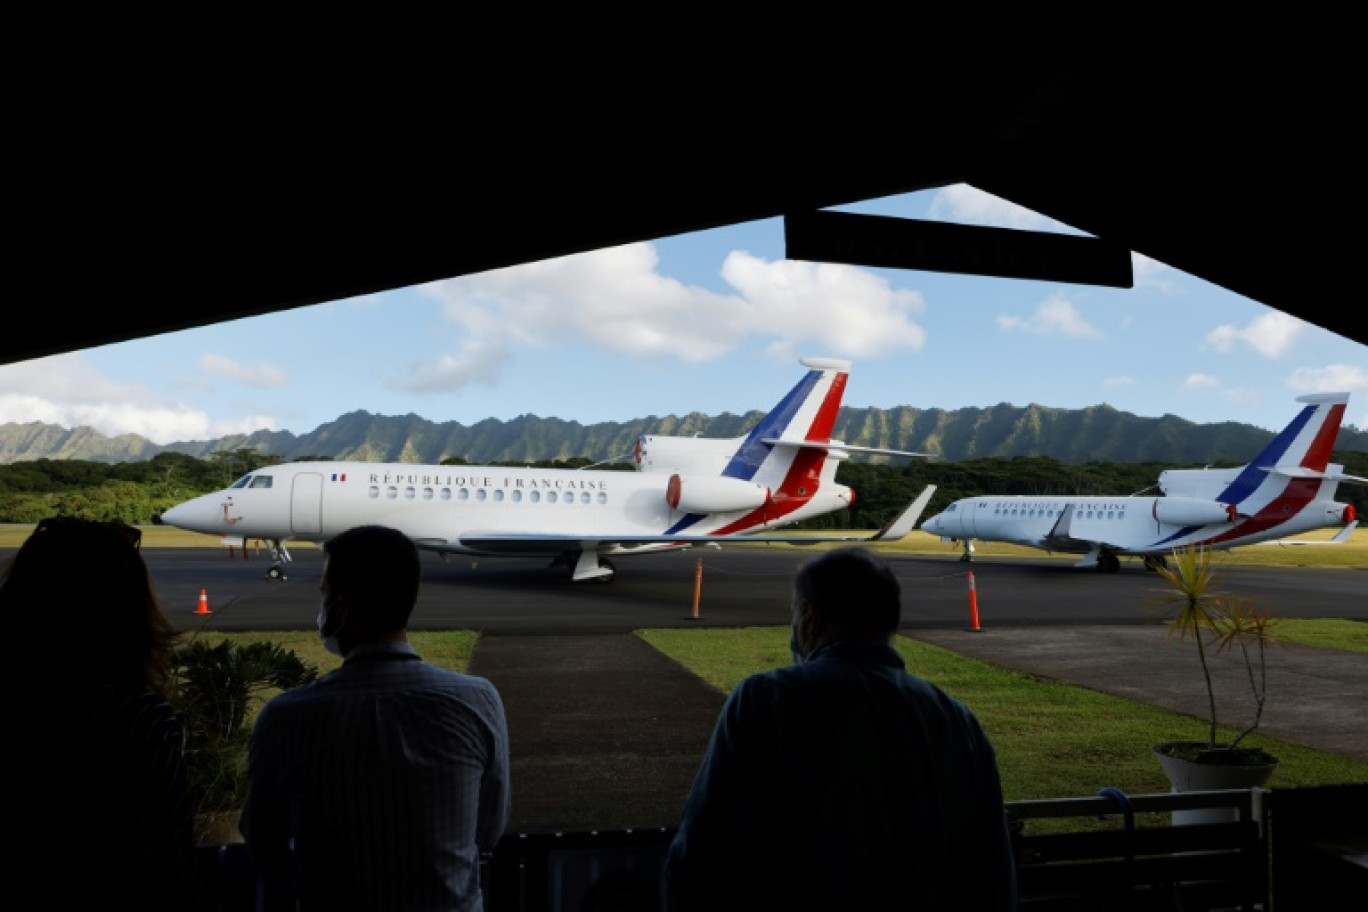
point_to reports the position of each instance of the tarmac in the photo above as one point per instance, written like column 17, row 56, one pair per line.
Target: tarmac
column 607, row 733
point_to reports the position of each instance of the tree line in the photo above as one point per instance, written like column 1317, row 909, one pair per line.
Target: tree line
column 136, row 492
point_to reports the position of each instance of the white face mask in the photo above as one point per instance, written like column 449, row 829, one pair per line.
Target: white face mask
column 329, row 639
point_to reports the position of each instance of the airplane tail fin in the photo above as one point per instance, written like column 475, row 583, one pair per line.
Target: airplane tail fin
column 1303, row 448
column 806, row 414
column 782, row 471
column 797, row 430
column 1300, row 452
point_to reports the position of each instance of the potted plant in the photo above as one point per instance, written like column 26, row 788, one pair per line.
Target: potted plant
column 1216, row 623
column 217, row 687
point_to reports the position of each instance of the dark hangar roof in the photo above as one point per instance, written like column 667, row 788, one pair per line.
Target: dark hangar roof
column 218, row 205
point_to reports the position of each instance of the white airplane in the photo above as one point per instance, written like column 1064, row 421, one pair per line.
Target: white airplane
column 1288, row 489
column 686, row 491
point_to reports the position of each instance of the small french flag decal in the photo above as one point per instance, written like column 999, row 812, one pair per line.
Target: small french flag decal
column 342, row 477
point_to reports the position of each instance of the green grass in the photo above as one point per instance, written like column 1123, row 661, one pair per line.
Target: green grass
column 1053, row 739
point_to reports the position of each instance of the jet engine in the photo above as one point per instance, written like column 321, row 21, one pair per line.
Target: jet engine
column 714, row 495
column 1193, row 511
column 655, row 453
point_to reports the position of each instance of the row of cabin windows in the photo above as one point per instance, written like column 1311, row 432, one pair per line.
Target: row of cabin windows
column 479, row 495
column 1044, row 512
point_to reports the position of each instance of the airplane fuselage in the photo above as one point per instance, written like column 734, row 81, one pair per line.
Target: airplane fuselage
column 685, row 490
column 450, row 508
column 1124, row 525
column 1287, row 489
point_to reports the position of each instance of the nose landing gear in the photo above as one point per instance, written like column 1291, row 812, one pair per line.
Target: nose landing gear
column 279, row 558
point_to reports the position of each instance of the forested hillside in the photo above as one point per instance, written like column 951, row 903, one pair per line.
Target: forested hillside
column 1074, row 436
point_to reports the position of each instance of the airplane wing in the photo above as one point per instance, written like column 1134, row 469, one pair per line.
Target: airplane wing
column 542, row 543
column 1061, row 538
column 1340, row 538
column 1297, row 471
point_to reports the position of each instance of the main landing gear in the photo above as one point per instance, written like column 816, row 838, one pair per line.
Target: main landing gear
column 586, row 566
column 1101, row 559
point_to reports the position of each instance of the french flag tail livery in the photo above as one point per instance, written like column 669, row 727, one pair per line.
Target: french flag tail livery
column 685, row 491
column 1292, row 478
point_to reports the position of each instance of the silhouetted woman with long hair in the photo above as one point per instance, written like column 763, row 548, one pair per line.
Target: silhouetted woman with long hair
column 98, row 744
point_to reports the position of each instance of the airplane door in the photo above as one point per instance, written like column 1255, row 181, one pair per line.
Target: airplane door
column 970, row 519
column 306, row 504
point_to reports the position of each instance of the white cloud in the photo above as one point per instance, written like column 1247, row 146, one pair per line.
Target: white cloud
column 612, row 299
column 262, row 375
column 1271, row 335
column 477, row 362
column 1200, row 381
column 848, row 311
column 1055, row 316
column 1333, row 378
column 1235, row 395
column 616, row 300
column 971, row 206
column 1152, row 274
column 65, row 390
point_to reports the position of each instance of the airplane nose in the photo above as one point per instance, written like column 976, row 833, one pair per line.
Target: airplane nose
column 185, row 515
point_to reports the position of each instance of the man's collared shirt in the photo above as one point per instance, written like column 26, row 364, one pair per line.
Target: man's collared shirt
column 380, row 785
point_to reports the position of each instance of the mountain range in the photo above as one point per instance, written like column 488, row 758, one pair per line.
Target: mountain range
column 1096, row 434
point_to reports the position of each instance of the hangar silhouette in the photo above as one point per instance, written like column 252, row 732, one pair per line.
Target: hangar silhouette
column 1215, row 158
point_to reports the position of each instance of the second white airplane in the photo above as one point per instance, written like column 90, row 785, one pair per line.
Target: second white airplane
column 686, row 491
column 1287, row 489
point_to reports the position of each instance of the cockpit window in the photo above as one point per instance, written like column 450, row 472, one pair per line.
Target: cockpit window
column 241, row 482
column 261, row 481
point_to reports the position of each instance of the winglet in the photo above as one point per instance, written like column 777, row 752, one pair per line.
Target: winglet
column 906, row 520
column 1340, row 538
column 1344, row 533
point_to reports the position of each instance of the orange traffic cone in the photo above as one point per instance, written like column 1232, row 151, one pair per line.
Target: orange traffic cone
column 203, row 603
column 973, row 604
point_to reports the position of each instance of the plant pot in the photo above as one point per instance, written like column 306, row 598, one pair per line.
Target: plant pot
column 1191, row 767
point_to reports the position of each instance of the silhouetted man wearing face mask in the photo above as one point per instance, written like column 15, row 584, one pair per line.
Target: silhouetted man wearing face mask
column 381, row 784
column 843, row 781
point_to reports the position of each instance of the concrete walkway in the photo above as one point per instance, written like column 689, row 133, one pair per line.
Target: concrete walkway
column 606, row 732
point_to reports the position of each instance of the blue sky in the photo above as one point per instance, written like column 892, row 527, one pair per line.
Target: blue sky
column 709, row 322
